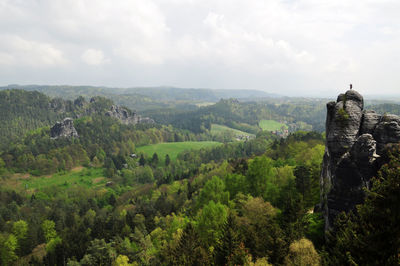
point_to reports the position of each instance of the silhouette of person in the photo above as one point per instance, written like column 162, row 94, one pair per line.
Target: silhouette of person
column 351, row 86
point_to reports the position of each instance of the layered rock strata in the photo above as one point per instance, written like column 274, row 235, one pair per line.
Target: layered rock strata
column 355, row 140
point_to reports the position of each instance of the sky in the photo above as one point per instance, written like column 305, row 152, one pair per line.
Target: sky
column 289, row 47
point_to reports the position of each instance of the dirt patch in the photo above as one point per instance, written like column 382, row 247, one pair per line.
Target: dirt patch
column 98, row 180
column 77, row 169
column 39, row 252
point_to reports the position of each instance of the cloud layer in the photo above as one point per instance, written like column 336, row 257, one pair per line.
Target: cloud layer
column 292, row 47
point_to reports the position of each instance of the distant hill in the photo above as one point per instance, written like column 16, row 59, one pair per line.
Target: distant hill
column 145, row 98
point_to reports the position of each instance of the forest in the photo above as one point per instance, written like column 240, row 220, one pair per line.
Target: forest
column 108, row 197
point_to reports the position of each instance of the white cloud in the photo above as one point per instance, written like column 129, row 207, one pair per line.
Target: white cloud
column 290, row 46
column 93, row 57
column 17, row 51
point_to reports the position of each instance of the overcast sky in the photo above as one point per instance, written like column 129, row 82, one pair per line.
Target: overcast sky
column 290, row 47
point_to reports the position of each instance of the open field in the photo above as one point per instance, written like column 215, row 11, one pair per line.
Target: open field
column 271, row 125
column 174, row 148
column 80, row 176
column 218, row 129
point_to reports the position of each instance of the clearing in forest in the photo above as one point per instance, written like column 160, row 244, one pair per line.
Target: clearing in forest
column 218, row 129
column 271, row 125
column 87, row 177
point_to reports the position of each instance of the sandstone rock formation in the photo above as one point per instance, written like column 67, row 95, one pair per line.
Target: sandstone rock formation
column 126, row 117
column 63, row 129
column 355, row 139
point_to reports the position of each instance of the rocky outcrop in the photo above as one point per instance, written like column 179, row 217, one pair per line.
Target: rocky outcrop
column 64, row 129
column 355, row 139
column 126, row 117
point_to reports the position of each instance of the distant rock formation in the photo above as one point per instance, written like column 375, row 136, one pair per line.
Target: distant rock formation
column 355, row 140
column 126, row 117
column 64, row 129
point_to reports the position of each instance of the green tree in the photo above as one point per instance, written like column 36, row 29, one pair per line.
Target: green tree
column 142, row 161
column 99, row 253
column 167, row 160
column 50, row 234
column 303, row 183
column 228, row 246
column 49, row 230
column 302, row 252
column 259, row 226
column 144, row 174
column 20, row 230
column 188, row 250
column 8, row 247
column 372, row 236
column 258, row 174
column 210, row 221
column 154, row 159
column 214, row 190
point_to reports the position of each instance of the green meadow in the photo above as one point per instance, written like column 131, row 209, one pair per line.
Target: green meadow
column 271, row 125
column 218, row 129
column 87, row 177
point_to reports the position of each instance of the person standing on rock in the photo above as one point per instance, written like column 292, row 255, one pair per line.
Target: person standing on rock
column 351, row 86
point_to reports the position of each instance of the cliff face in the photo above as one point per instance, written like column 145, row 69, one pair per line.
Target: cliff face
column 355, row 139
column 126, row 118
column 64, row 129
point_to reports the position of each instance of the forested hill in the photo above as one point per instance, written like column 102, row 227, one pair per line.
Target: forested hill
column 22, row 111
column 144, row 98
column 245, row 116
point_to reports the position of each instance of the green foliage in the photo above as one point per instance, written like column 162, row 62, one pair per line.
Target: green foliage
column 174, row 148
column 210, row 221
column 144, row 174
column 157, row 213
column 372, row 236
column 302, row 252
column 259, row 175
column 315, row 230
column 87, row 177
column 235, row 183
column 342, row 117
column 213, row 190
column 259, row 227
column 227, row 134
column 188, row 250
column 228, row 247
column 99, row 253
column 20, row 229
column 8, row 247
column 49, row 230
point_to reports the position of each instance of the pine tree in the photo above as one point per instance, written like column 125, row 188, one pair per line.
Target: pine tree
column 142, row 161
column 229, row 242
column 154, row 159
column 188, row 251
column 167, row 160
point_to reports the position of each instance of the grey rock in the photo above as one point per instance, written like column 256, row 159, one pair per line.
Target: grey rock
column 369, row 122
column 126, row 117
column 64, row 129
column 355, row 139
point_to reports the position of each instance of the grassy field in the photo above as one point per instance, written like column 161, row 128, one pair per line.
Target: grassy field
column 88, row 177
column 174, row 148
column 271, row 125
column 218, row 129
